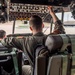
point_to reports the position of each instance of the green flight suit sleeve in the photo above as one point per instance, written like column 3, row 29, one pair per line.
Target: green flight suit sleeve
column 13, row 42
column 59, row 29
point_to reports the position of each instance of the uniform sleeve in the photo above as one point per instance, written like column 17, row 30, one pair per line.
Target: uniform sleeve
column 58, row 29
column 12, row 42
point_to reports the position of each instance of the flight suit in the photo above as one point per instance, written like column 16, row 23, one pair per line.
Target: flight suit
column 28, row 44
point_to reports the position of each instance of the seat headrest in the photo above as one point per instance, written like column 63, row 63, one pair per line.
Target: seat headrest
column 54, row 42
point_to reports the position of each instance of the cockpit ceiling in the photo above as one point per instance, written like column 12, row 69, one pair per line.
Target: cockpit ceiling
column 44, row 2
column 21, row 10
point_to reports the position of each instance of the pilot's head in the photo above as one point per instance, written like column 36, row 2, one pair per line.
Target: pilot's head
column 2, row 34
column 36, row 24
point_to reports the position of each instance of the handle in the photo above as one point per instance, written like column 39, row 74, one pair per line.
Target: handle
column 5, row 60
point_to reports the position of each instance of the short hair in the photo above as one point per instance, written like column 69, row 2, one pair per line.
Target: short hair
column 2, row 33
column 36, row 22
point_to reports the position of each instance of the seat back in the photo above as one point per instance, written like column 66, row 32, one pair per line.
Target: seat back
column 54, row 65
column 58, row 62
column 72, row 58
column 40, row 66
column 40, row 60
column 57, row 65
column 7, row 63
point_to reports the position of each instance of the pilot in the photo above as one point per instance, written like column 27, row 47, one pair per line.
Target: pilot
column 2, row 34
column 27, row 44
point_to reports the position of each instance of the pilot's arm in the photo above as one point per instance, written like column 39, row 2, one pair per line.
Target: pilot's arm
column 58, row 29
column 10, row 42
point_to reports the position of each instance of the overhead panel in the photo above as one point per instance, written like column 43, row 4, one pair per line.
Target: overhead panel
column 21, row 11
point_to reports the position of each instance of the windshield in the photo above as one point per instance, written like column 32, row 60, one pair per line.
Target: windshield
column 23, row 26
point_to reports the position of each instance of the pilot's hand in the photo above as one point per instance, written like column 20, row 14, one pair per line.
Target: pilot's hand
column 50, row 8
column 52, row 13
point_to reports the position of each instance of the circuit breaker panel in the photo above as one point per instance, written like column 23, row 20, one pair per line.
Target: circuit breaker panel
column 20, row 11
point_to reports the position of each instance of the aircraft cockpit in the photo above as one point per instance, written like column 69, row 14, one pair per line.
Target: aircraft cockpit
column 58, row 57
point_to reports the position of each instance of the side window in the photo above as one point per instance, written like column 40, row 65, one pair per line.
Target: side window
column 68, row 17
column 68, row 21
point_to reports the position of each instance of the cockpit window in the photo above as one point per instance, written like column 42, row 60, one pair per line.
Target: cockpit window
column 69, row 22
column 23, row 26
